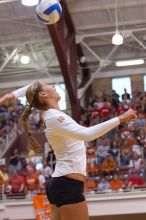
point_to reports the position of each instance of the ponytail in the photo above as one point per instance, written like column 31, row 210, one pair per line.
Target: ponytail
column 24, row 120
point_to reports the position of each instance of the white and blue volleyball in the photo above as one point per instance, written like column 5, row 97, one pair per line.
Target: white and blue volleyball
column 49, row 11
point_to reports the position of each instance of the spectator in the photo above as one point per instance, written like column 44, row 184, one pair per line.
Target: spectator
column 17, row 182
column 102, row 150
column 32, row 181
column 141, row 137
column 4, row 174
column 140, row 122
column 90, row 185
column 23, row 165
column 46, row 170
column 138, row 164
column 105, row 111
column 125, row 157
column 14, row 161
column 116, row 184
column 125, row 134
column 114, row 151
column 91, row 155
column 134, row 180
column 136, row 148
column 125, row 95
column 99, row 103
column 104, row 185
column 42, row 181
column 115, row 99
column 119, row 109
column 109, row 165
column 126, row 104
column 8, row 188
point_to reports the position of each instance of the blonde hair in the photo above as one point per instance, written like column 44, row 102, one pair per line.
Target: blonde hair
column 32, row 98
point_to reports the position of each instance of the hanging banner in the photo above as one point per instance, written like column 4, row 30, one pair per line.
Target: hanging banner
column 41, row 207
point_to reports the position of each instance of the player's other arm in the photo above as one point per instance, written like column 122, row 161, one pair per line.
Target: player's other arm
column 7, row 97
column 14, row 95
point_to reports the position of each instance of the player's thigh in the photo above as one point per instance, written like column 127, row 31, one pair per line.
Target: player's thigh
column 76, row 211
column 55, row 212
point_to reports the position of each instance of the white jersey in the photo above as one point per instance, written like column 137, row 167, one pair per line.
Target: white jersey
column 67, row 139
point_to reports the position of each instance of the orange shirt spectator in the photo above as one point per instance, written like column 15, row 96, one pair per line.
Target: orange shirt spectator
column 116, row 183
column 32, row 181
column 109, row 164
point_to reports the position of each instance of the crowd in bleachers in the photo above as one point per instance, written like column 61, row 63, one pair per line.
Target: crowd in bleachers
column 115, row 162
column 25, row 177
column 9, row 115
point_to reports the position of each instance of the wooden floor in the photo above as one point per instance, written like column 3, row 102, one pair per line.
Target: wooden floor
column 121, row 217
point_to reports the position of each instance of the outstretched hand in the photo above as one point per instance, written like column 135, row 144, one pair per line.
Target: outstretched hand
column 6, row 98
column 129, row 115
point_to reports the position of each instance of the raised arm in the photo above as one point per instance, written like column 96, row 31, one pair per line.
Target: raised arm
column 14, row 95
column 7, row 97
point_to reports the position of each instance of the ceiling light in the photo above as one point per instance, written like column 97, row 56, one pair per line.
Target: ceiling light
column 130, row 62
column 25, row 59
column 29, row 2
column 83, row 59
column 117, row 39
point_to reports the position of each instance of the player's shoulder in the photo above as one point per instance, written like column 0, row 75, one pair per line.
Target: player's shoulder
column 54, row 115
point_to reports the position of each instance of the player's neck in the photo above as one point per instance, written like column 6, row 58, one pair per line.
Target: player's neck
column 54, row 106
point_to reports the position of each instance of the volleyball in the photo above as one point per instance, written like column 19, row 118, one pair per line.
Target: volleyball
column 49, row 11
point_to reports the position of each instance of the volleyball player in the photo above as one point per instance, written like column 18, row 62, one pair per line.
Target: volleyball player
column 65, row 188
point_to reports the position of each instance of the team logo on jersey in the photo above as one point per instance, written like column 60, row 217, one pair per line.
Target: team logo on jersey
column 61, row 119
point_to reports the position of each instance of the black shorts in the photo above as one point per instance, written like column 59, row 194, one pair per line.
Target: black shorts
column 63, row 191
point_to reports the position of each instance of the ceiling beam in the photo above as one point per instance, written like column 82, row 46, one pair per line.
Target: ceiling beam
column 107, row 33
column 91, row 51
column 103, row 26
column 7, row 1
column 82, row 7
column 24, row 81
column 19, row 22
column 119, row 73
column 138, row 41
column 102, row 64
column 7, row 60
column 19, row 43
